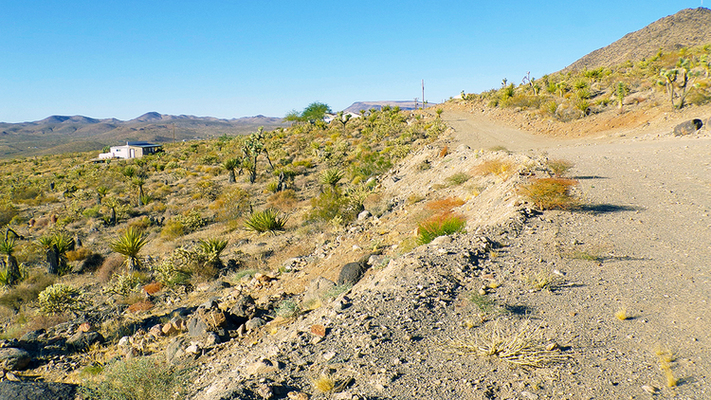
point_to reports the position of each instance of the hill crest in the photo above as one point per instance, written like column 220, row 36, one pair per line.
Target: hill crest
column 687, row 28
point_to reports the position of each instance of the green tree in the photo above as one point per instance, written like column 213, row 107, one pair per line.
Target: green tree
column 313, row 112
column 621, row 91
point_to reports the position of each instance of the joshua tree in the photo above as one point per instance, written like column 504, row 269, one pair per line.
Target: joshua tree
column 139, row 182
column 130, row 244
column 252, row 148
column 343, row 119
column 56, row 247
column 230, row 165
column 12, row 270
column 621, row 90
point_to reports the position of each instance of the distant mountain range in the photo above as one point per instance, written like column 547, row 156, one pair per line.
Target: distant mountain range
column 61, row 134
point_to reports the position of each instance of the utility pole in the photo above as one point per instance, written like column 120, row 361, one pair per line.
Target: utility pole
column 423, row 95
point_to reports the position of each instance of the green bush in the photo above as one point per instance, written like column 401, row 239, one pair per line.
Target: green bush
column 140, row 378
column 60, row 298
column 442, row 225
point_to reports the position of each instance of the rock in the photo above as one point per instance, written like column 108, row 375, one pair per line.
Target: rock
column 14, row 359
column 529, row 396
column 83, row 340
column 32, row 336
column 253, row 324
column 156, row 330
column 688, row 127
column 441, row 240
column 264, row 391
column 297, row 396
column 351, row 273
column 211, row 339
column 196, row 326
column 318, row 330
column 245, row 308
column 169, row 329
column 85, row 327
column 124, row 345
column 174, row 352
column 364, row 215
column 650, row 389
column 317, row 289
column 37, row 391
column 193, row 349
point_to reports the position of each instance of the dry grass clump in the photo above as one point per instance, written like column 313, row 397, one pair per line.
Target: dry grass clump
column 666, row 358
column 504, row 169
column 524, row 347
column 621, row 314
column 444, row 205
column 544, row 280
column 110, row 266
column 440, row 225
column 559, row 167
column 551, row 193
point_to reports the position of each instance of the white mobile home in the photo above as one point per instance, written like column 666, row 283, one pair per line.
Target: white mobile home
column 132, row 150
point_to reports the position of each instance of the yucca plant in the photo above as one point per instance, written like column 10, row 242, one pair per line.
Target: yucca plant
column 211, row 250
column 331, row 177
column 56, row 247
column 130, row 244
column 12, row 274
column 268, row 220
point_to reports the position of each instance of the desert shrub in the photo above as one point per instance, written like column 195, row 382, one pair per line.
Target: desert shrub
column 123, row 284
column 231, row 204
column 283, row 200
column 192, row 221
column 440, row 225
column 272, row 187
column 550, row 193
column 559, row 167
column 444, row 205
column 327, row 206
column 287, row 309
column 502, row 169
column 268, row 220
column 78, row 254
column 7, row 213
column 168, row 274
column 141, row 378
column 172, row 229
column 26, row 291
column 457, row 179
column 109, row 267
column 92, row 212
column 60, row 298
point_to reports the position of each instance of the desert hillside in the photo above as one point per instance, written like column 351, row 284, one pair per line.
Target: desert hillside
column 536, row 241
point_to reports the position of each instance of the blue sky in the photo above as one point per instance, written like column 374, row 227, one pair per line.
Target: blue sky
column 231, row 59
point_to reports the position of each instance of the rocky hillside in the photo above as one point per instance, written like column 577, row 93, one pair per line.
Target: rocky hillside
column 687, row 28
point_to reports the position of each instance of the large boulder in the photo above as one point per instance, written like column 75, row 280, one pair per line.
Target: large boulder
column 688, row 127
column 317, row 289
column 84, row 340
column 37, row 391
column 14, row 359
column 352, row 272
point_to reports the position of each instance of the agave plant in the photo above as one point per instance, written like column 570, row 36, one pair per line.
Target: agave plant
column 268, row 220
column 11, row 274
column 130, row 244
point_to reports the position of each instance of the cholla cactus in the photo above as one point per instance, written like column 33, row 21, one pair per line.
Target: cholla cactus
column 60, row 298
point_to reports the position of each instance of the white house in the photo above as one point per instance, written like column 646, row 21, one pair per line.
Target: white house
column 131, row 150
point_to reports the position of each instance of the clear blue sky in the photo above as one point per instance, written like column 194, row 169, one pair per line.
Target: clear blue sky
column 241, row 58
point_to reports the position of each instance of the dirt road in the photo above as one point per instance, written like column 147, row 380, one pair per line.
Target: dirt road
column 641, row 243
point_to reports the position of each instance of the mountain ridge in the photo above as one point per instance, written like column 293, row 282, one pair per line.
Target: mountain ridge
column 687, row 28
